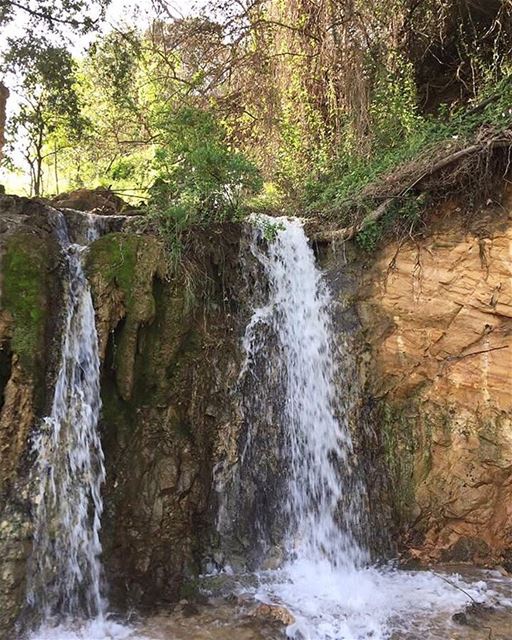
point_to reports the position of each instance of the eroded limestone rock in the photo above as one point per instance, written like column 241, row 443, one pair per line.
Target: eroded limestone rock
column 437, row 315
column 29, row 288
column 170, row 358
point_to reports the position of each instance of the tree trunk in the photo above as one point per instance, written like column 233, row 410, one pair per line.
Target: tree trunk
column 4, row 94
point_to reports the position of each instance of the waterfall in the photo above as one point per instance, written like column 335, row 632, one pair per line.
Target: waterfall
column 64, row 579
column 298, row 398
column 64, row 583
column 316, row 442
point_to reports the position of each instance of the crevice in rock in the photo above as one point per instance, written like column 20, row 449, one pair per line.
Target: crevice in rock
column 5, row 370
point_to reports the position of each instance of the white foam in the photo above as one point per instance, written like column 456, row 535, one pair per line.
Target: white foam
column 97, row 629
column 367, row 603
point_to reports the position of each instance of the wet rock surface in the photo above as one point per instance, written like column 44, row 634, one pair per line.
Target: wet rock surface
column 430, row 327
column 216, row 621
column 29, row 329
column 4, row 94
column 171, row 354
column 431, row 319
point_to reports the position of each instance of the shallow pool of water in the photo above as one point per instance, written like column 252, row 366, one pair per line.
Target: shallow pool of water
column 441, row 604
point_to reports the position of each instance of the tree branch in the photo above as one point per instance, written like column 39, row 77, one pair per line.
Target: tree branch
column 347, row 233
column 44, row 16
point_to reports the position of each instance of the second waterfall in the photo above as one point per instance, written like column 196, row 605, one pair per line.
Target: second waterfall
column 320, row 478
column 306, row 503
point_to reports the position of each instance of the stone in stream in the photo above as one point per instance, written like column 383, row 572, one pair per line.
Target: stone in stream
column 273, row 612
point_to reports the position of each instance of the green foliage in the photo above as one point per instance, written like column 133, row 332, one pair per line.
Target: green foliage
column 196, row 170
column 54, row 15
column 393, row 108
column 328, row 100
column 269, row 228
column 402, row 216
column 270, row 200
column 113, row 60
column 50, row 104
column 199, row 178
column 338, row 191
column 368, row 237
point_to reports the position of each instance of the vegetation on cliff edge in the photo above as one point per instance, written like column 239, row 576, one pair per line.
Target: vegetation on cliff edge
column 336, row 107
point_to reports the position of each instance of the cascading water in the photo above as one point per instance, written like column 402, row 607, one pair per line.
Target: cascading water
column 64, row 580
column 324, row 577
column 65, row 567
column 316, row 441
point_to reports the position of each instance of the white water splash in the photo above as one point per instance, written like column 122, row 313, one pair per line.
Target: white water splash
column 64, row 581
column 325, row 580
column 97, row 629
column 317, row 443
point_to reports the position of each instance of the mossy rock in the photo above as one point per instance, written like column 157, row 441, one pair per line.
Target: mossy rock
column 114, row 257
column 26, row 263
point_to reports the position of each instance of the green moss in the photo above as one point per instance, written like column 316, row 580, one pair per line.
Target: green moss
column 182, row 427
column 114, row 257
column 400, row 446
column 408, row 433
column 24, row 293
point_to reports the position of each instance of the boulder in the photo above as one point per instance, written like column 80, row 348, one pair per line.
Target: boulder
column 100, row 200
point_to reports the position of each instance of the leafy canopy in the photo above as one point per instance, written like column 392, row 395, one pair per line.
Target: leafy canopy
column 54, row 15
column 198, row 176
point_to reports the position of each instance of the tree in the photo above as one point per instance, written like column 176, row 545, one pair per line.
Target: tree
column 199, row 177
column 49, row 102
column 31, row 61
column 53, row 15
column 4, row 94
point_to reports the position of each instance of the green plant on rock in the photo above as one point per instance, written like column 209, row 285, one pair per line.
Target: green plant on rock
column 400, row 446
column 401, row 219
column 199, row 177
column 269, row 228
column 368, row 238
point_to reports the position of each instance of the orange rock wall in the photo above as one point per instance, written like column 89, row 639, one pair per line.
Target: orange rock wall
column 438, row 315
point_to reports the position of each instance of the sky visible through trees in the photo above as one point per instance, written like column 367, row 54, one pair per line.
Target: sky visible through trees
column 120, row 14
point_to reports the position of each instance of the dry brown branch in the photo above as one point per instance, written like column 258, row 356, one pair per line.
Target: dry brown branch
column 502, row 140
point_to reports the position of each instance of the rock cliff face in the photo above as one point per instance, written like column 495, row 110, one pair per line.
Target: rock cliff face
column 30, row 290
column 171, row 354
column 170, row 351
column 429, row 322
column 435, row 322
